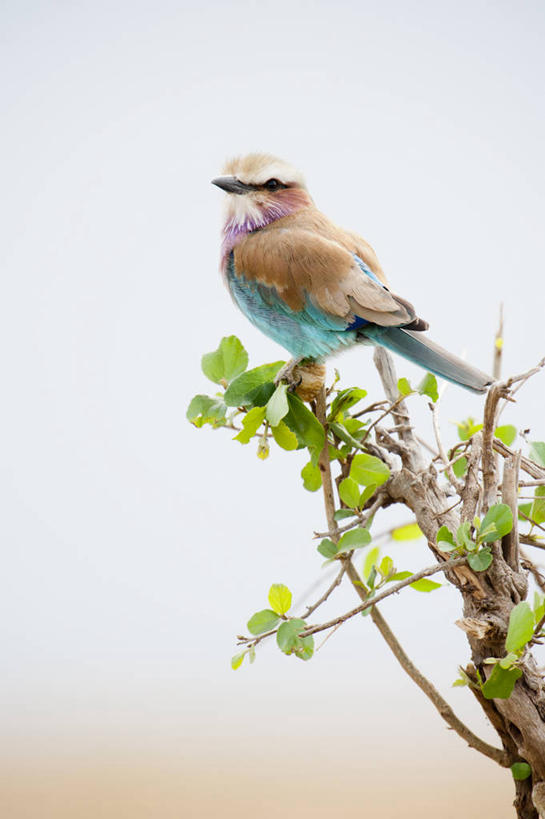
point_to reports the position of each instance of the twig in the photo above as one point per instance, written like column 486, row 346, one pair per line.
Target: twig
column 386, row 370
column 372, row 601
column 498, row 348
column 521, row 380
column 327, row 592
column 529, row 540
column 444, row 709
column 495, row 392
column 427, row 446
column 509, row 496
column 471, row 491
column 325, row 468
column 531, row 566
column 458, row 485
column 360, row 519
column 537, row 630
column 528, row 466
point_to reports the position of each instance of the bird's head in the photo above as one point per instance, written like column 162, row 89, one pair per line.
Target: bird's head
column 261, row 188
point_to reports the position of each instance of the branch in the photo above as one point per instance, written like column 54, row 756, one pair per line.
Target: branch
column 446, row 712
column 327, row 592
column 325, row 468
column 458, row 485
column 509, row 496
column 368, row 602
column 386, row 370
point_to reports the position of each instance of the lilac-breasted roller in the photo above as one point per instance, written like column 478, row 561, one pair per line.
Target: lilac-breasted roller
column 310, row 285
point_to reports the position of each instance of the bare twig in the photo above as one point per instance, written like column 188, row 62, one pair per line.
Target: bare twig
column 425, row 685
column 458, row 485
column 372, row 601
column 528, row 466
column 536, row 574
column 412, row 454
column 327, row 592
column 498, row 348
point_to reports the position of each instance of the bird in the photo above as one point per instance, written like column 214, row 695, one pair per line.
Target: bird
column 313, row 287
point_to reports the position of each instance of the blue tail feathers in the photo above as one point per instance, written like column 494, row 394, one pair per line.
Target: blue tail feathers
column 426, row 353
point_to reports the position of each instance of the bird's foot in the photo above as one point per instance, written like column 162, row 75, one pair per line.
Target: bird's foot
column 289, row 375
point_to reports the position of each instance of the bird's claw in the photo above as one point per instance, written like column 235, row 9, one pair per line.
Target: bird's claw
column 289, row 375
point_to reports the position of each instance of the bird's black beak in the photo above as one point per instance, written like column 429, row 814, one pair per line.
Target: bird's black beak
column 230, row 184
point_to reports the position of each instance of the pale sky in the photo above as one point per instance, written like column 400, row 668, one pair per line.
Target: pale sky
column 135, row 547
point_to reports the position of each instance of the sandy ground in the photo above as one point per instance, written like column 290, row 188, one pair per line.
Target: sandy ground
column 149, row 788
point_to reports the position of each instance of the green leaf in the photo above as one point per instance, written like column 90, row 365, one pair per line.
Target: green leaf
column 425, row 585
column 225, row 363
column 459, row 468
column 354, row 539
column 403, row 386
column 509, row 660
column 344, row 400
column 354, row 427
column 327, row 548
column 539, row 607
column 284, row 437
column 481, row 560
column 204, row 409
column 400, row 576
column 521, row 627
column 524, row 509
column 366, row 494
column 305, row 425
column 312, row 477
column 500, row 518
column 500, row 684
column 262, row 621
column 242, row 391
column 250, row 424
column 445, row 540
column 341, row 514
column 463, row 536
column 367, row 470
column 279, row 598
column 463, row 679
column 521, row 770
column 349, row 492
column 287, row 636
column 237, row 660
column 370, row 561
column 305, row 648
column 428, row 386
column 468, row 428
column 506, row 433
column 445, row 535
column 537, row 510
column 411, row 531
column 537, row 452
column 386, row 566
column 277, row 405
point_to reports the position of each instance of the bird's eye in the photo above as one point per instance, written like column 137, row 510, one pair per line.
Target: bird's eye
column 272, row 185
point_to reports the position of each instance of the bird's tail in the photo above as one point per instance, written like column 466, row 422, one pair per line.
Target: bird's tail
column 426, row 353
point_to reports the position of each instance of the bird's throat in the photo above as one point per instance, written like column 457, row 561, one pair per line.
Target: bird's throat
column 245, row 215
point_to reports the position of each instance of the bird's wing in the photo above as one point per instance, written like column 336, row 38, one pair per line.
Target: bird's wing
column 303, row 267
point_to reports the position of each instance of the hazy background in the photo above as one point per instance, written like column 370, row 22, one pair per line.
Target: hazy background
column 135, row 546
